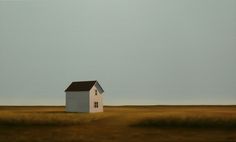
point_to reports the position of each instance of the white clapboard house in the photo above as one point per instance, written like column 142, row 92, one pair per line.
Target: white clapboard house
column 84, row 96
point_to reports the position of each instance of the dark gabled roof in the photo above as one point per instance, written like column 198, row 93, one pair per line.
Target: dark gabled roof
column 82, row 86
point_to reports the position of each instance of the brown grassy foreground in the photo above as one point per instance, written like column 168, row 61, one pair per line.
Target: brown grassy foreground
column 127, row 123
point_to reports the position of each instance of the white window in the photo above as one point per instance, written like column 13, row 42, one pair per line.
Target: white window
column 96, row 92
column 95, row 104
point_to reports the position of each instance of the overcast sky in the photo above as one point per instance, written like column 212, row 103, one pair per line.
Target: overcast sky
column 140, row 51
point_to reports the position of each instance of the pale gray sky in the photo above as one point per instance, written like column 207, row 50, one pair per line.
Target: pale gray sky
column 141, row 51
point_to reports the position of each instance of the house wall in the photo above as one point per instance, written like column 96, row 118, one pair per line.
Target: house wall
column 77, row 101
column 98, row 87
column 95, row 98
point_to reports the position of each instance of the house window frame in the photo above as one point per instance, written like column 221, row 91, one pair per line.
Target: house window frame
column 96, row 92
column 95, row 104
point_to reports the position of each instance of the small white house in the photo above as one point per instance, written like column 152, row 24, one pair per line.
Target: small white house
column 84, row 96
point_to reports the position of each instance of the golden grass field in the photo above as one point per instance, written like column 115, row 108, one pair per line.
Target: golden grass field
column 119, row 124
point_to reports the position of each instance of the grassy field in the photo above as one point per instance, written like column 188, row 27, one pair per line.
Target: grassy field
column 117, row 124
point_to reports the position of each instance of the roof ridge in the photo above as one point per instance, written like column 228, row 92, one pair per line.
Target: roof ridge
column 85, row 81
column 81, row 85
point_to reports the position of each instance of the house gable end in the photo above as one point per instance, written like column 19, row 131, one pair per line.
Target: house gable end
column 99, row 88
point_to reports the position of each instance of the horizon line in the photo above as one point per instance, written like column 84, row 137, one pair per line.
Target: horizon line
column 133, row 105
